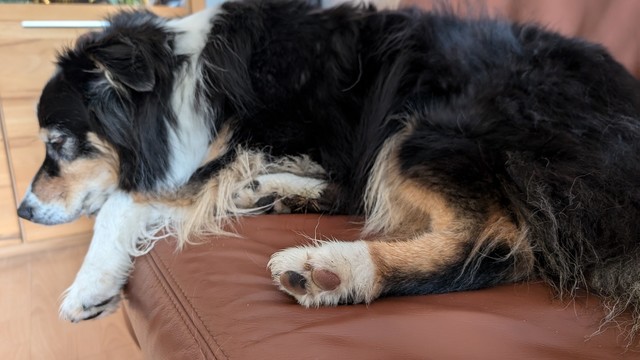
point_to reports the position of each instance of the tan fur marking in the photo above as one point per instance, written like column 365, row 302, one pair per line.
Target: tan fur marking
column 79, row 173
column 74, row 177
column 107, row 151
column 424, row 253
column 49, row 189
column 397, row 205
column 431, row 251
column 98, row 172
column 220, row 145
column 499, row 226
column 428, row 231
column 426, row 205
column 184, row 197
column 499, row 229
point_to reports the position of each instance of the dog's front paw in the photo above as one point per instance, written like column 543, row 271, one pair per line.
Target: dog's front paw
column 85, row 303
column 327, row 275
column 259, row 197
column 283, row 193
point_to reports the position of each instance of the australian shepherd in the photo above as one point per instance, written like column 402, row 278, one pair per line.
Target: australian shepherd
column 479, row 151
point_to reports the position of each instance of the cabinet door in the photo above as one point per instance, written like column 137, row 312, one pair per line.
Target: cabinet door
column 9, row 229
column 27, row 56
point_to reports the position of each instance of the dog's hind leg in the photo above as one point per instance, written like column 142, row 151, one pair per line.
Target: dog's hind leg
column 429, row 235
column 464, row 257
column 425, row 241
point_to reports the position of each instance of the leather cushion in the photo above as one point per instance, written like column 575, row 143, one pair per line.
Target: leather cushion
column 215, row 300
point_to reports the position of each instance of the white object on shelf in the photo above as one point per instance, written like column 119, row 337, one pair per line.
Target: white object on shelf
column 65, row 24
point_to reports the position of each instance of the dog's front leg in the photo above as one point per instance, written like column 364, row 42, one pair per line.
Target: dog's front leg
column 96, row 289
column 284, row 193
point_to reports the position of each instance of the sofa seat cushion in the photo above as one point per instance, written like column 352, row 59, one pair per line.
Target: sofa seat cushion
column 215, row 300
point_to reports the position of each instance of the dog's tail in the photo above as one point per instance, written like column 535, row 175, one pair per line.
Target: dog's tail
column 585, row 231
column 618, row 280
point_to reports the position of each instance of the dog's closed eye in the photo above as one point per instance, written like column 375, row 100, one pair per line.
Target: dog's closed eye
column 57, row 142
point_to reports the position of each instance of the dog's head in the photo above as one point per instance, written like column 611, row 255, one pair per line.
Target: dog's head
column 79, row 170
column 104, row 117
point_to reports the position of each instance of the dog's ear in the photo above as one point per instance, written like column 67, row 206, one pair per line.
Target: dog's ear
column 125, row 63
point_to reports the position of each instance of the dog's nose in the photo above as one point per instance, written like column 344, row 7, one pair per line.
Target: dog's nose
column 25, row 211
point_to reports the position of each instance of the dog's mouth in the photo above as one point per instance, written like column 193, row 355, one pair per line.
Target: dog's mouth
column 32, row 209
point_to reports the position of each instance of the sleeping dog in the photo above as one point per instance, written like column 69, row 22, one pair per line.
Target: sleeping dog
column 479, row 151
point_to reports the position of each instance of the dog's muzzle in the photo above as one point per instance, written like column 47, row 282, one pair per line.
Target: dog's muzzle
column 32, row 209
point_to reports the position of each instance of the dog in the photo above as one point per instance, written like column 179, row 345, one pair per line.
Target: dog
column 479, row 151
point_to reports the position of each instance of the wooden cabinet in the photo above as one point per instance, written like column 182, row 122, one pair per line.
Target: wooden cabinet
column 27, row 58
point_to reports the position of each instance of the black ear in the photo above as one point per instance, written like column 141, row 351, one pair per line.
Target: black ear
column 126, row 63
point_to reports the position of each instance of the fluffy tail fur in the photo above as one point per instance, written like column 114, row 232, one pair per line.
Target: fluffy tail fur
column 618, row 279
column 585, row 228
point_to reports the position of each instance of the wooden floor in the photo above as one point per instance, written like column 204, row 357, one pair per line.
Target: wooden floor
column 30, row 288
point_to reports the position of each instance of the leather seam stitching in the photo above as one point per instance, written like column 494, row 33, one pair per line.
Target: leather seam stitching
column 168, row 292
column 192, row 307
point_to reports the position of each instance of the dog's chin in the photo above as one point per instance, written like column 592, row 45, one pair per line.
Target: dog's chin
column 55, row 219
column 64, row 218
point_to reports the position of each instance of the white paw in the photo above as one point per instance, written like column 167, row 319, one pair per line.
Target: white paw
column 329, row 274
column 87, row 300
column 281, row 193
column 259, row 197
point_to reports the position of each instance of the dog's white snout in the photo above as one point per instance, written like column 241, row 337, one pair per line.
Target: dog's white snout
column 34, row 210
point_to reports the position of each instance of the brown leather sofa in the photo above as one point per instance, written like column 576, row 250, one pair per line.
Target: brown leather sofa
column 216, row 301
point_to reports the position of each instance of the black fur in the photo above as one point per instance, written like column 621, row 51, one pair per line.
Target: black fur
column 139, row 56
column 545, row 125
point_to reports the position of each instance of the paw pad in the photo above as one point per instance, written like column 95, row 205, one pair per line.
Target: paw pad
column 296, row 283
column 325, row 279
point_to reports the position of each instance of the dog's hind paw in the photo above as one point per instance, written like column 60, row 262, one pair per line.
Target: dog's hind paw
column 326, row 275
